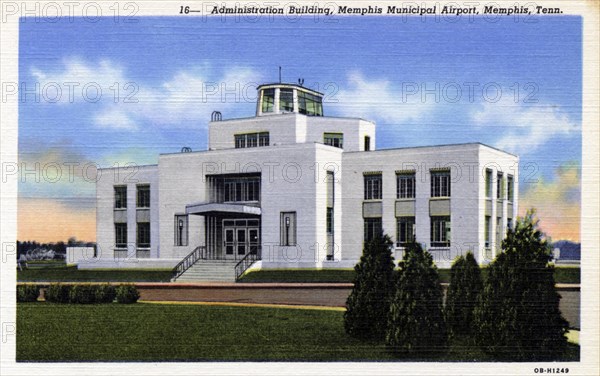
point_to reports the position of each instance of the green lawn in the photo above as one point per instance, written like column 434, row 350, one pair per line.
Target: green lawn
column 562, row 275
column 72, row 274
column 149, row 332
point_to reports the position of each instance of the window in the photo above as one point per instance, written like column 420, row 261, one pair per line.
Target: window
column 120, row 197
column 268, row 100
column 405, row 230
column 440, row 231
column 288, row 229
column 488, row 183
column 440, row 184
column 309, row 104
column 241, row 189
column 372, row 229
column 509, row 224
column 329, row 221
column 367, row 143
column 263, row 139
column 251, row 140
column 405, row 185
column 286, row 100
column 510, row 188
column 143, row 235
column 181, row 230
column 334, row 139
column 488, row 230
column 373, row 187
column 499, row 232
column 499, row 186
column 120, row 235
column 143, row 196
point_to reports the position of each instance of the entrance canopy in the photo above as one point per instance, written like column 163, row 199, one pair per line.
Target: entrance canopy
column 216, row 208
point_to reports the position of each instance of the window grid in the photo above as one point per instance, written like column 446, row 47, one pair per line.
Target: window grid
column 251, row 140
column 143, row 235
column 372, row 229
column 405, row 185
column 405, row 231
column 334, row 139
column 286, row 100
column 499, row 186
column 510, row 188
column 440, row 184
column 143, row 196
column 120, row 197
column 120, row 235
column 373, row 187
column 440, row 232
column 488, row 183
column 268, row 100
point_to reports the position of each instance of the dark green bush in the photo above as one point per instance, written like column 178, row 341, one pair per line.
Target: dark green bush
column 463, row 294
column 105, row 293
column 27, row 293
column 416, row 320
column 369, row 302
column 57, row 293
column 83, row 294
column 518, row 317
column 127, row 294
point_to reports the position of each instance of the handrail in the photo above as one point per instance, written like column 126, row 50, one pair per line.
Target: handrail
column 247, row 261
column 188, row 261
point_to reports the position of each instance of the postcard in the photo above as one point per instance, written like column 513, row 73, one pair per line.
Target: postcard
column 306, row 187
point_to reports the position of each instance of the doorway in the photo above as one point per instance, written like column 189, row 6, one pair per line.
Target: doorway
column 240, row 237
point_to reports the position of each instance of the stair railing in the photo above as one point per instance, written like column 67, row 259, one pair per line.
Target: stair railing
column 188, row 261
column 247, row 261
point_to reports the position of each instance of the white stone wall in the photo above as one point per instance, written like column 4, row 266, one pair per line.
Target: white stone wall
column 105, row 229
column 288, row 129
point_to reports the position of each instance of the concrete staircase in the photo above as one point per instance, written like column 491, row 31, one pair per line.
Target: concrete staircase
column 210, row 271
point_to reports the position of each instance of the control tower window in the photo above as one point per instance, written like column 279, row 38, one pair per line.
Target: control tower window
column 268, row 100
column 286, row 100
column 309, row 104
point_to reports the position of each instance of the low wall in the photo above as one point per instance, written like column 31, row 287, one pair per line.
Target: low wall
column 127, row 264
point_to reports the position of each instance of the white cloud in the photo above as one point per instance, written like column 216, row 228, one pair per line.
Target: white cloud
column 524, row 128
column 186, row 99
column 376, row 99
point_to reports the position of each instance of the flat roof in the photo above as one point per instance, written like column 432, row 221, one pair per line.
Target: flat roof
column 438, row 146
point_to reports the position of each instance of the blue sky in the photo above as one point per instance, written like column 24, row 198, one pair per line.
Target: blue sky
column 370, row 67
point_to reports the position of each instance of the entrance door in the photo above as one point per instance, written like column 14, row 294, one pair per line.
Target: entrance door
column 240, row 237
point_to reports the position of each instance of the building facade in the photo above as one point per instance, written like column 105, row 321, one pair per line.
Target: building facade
column 292, row 188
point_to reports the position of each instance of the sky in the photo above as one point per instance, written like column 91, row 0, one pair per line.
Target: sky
column 108, row 93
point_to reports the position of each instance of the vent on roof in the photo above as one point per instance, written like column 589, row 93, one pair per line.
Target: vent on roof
column 216, row 116
column 186, row 149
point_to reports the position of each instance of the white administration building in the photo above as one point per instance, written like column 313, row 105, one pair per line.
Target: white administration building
column 292, row 188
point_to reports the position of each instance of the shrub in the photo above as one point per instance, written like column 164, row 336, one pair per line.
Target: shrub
column 369, row 302
column 463, row 294
column 518, row 317
column 57, row 293
column 105, row 293
column 83, row 294
column 416, row 319
column 127, row 294
column 27, row 293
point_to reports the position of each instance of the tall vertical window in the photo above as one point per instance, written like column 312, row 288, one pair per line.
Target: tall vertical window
column 143, row 196
column 440, row 183
column 373, row 187
column 288, row 229
column 263, row 139
column 286, row 100
column 499, row 232
column 334, row 139
column 121, row 235
column 488, row 183
column 181, row 230
column 143, row 235
column 510, row 188
column 488, row 230
column 500, row 186
column 405, row 185
column 329, row 221
column 367, row 143
column 268, row 100
column 309, row 104
column 120, row 197
column 372, row 229
column 440, row 231
column 405, row 230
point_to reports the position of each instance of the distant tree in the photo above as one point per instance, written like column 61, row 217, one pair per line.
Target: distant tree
column 416, row 319
column 518, row 317
column 369, row 302
column 463, row 294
